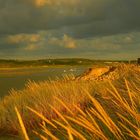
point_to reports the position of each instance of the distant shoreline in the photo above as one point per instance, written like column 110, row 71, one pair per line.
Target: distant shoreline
column 24, row 64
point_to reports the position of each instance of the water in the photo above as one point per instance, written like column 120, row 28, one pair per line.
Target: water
column 17, row 78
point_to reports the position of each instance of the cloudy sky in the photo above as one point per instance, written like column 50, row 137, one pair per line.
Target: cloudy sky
column 97, row 29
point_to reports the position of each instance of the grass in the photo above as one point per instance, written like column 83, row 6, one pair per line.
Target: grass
column 69, row 109
column 39, row 96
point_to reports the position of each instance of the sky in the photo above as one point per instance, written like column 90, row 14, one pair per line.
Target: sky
column 95, row 29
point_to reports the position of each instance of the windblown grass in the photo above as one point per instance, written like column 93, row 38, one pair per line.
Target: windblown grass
column 40, row 96
column 68, row 109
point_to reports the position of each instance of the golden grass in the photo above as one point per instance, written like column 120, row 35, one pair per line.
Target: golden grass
column 22, row 124
column 77, row 109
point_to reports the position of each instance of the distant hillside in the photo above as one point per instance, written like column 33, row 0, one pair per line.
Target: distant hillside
column 50, row 62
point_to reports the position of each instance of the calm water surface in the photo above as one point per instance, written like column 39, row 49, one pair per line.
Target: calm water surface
column 17, row 78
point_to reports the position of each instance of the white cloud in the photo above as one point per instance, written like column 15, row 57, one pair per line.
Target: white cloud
column 23, row 38
column 66, row 42
column 31, row 47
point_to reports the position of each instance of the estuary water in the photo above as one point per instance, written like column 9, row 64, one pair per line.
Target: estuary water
column 17, row 78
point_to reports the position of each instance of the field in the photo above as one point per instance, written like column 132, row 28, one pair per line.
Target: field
column 73, row 108
column 50, row 62
column 43, row 62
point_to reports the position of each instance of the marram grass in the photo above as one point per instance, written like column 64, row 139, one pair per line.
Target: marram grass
column 25, row 135
column 69, row 110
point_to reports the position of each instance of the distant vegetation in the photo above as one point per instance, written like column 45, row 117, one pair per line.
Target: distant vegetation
column 68, row 109
column 51, row 62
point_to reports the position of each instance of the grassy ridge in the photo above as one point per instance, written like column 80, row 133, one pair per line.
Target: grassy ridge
column 49, row 62
column 76, row 109
column 44, row 62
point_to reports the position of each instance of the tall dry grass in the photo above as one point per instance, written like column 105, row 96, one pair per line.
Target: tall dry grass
column 85, row 110
column 119, row 121
column 40, row 96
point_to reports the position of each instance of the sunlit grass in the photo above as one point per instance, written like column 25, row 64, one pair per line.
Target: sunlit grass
column 69, row 109
column 25, row 135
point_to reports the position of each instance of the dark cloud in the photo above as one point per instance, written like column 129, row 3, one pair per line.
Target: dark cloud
column 85, row 18
column 85, row 28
